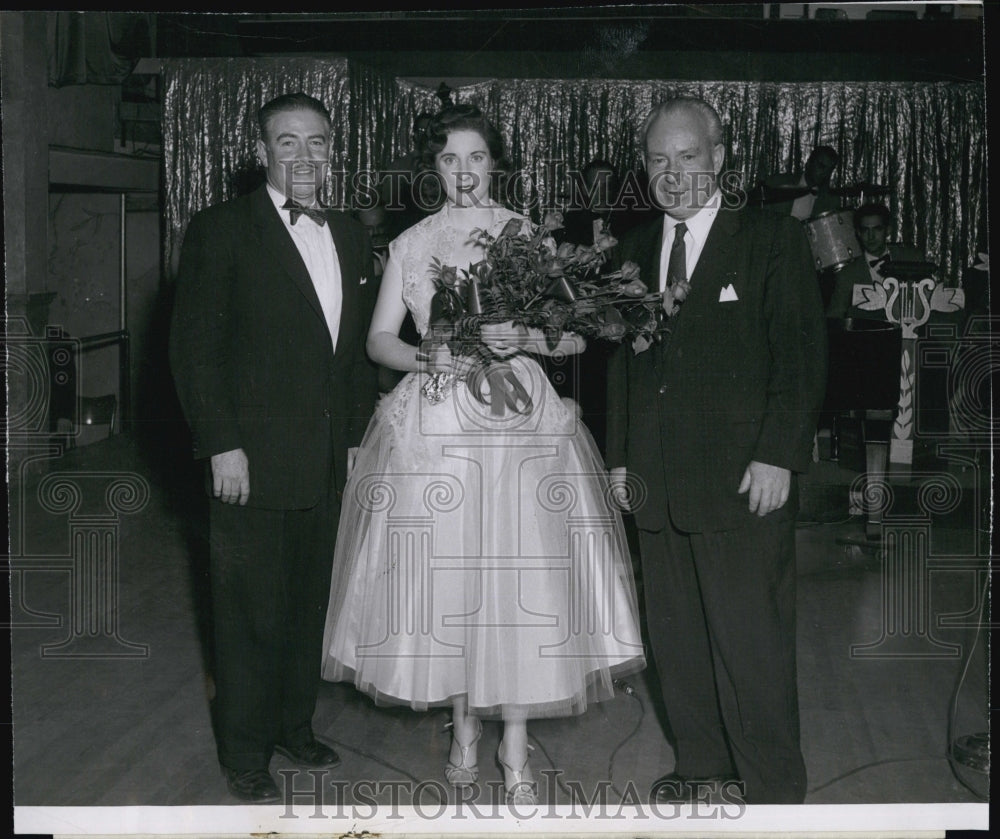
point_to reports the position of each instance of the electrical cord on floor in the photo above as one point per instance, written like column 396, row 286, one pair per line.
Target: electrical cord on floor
column 872, row 765
column 953, row 703
column 375, row 759
column 952, row 712
column 627, row 689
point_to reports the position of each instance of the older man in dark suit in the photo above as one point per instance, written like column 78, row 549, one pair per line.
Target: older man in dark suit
column 716, row 422
column 274, row 296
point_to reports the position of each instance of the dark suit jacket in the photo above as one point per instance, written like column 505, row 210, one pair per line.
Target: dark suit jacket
column 856, row 273
column 735, row 382
column 251, row 351
column 823, row 204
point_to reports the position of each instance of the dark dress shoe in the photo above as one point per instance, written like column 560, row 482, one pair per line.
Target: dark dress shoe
column 255, row 786
column 683, row 789
column 313, row 754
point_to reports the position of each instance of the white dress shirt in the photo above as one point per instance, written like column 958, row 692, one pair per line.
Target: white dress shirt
column 315, row 245
column 698, row 227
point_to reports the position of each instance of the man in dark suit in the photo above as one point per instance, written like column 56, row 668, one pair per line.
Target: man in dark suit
column 871, row 226
column 809, row 191
column 714, row 423
column 274, row 296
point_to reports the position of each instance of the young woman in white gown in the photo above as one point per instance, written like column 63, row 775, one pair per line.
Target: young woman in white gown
column 481, row 562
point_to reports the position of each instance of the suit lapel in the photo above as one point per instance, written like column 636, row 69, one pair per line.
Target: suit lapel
column 714, row 263
column 351, row 274
column 717, row 254
column 274, row 239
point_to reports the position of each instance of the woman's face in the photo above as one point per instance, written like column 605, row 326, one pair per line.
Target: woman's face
column 464, row 166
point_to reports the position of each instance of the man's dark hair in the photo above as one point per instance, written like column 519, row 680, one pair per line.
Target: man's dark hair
column 872, row 209
column 828, row 152
column 597, row 164
column 289, row 102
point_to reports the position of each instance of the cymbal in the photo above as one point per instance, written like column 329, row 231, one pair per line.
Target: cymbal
column 775, row 194
column 859, row 189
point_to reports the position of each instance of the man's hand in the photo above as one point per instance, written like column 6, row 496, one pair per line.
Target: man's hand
column 768, row 486
column 619, row 487
column 231, row 477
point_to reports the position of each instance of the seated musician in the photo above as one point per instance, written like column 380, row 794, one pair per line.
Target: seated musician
column 871, row 225
column 813, row 181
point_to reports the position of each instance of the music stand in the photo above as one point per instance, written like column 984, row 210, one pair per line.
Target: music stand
column 863, row 382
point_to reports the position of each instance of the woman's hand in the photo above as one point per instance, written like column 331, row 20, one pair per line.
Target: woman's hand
column 503, row 339
column 442, row 361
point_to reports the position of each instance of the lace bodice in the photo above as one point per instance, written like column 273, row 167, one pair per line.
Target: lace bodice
column 414, row 248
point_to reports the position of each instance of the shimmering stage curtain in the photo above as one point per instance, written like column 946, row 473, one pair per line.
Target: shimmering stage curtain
column 209, row 127
column 926, row 141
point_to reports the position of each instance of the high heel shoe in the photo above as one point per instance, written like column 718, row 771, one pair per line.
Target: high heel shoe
column 519, row 791
column 462, row 774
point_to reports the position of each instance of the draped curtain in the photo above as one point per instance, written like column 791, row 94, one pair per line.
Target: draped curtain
column 93, row 47
column 925, row 141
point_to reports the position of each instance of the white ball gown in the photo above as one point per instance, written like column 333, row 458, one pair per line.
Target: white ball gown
column 478, row 555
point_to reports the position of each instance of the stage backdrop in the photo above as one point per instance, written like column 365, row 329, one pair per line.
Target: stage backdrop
column 925, row 141
column 210, row 127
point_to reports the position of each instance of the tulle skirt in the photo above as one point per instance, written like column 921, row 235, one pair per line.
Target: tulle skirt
column 479, row 554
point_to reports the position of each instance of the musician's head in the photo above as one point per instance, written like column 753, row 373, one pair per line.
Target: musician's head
column 294, row 145
column 871, row 224
column 820, row 165
column 684, row 153
column 600, row 185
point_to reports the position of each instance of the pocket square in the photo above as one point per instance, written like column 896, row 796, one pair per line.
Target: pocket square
column 728, row 294
column 363, row 281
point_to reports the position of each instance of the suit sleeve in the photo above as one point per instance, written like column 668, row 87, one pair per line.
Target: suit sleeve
column 616, row 434
column 797, row 342
column 364, row 373
column 200, row 349
column 617, row 408
column 843, row 291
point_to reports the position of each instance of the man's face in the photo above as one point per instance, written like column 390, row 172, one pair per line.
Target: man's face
column 374, row 221
column 872, row 233
column 819, row 168
column 682, row 161
column 296, row 152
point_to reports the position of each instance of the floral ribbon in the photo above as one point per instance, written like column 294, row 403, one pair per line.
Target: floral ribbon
column 506, row 390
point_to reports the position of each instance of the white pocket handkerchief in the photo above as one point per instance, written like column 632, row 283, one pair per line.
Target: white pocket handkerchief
column 364, row 281
column 728, row 294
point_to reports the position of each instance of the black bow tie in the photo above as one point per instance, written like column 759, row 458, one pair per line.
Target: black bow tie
column 295, row 209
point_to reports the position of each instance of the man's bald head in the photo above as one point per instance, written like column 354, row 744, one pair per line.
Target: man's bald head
column 687, row 106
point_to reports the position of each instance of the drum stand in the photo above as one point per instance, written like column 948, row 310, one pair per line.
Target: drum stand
column 875, row 427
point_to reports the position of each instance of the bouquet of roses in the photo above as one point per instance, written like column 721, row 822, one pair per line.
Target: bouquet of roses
column 528, row 280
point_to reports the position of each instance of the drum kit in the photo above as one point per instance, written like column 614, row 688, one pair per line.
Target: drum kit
column 831, row 234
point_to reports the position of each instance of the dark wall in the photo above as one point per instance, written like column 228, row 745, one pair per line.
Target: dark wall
column 602, row 43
